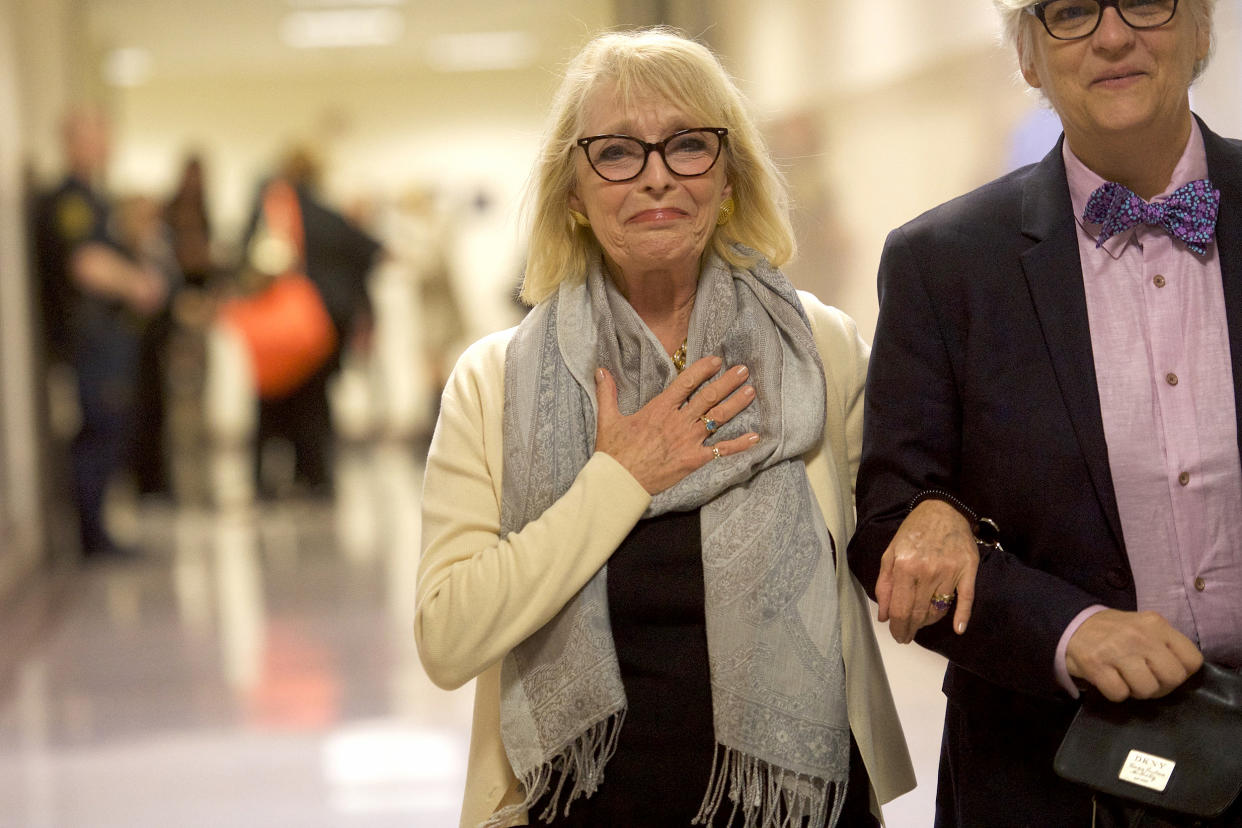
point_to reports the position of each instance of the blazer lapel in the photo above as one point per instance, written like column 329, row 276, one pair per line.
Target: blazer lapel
column 1224, row 160
column 1053, row 273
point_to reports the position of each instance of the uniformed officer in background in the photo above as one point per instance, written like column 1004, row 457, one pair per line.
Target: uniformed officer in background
column 95, row 300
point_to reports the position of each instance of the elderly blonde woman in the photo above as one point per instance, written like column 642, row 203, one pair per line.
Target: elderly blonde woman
column 1061, row 351
column 634, row 500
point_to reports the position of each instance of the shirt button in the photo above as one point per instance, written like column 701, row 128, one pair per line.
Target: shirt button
column 1200, row 584
column 1159, row 280
column 1117, row 578
column 1183, row 478
column 1170, row 378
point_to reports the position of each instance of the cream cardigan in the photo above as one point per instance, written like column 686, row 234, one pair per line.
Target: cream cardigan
column 479, row 595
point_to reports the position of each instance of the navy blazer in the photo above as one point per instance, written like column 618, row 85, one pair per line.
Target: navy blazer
column 982, row 383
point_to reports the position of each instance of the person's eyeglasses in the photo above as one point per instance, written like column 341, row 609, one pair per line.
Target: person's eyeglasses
column 622, row 157
column 1073, row 19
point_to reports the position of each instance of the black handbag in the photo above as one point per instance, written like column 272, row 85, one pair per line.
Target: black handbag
column 1171, row 761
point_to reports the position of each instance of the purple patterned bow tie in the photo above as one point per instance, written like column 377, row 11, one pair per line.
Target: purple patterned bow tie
column 1189, row 213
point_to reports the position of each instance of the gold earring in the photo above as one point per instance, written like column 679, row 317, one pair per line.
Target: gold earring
column 727, row 208
column 579, row 219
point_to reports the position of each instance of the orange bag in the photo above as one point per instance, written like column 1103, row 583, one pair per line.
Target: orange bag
column 285, row 325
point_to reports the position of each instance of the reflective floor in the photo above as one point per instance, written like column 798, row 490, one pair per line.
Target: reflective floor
column 257, row 668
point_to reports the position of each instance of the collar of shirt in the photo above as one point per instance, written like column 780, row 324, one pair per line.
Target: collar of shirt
column 1083, row 182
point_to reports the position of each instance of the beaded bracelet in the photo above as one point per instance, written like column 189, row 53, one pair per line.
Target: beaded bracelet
column 985, row 530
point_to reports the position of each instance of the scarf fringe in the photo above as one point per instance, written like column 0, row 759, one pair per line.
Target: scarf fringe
column 583, row 760
column 768, row 796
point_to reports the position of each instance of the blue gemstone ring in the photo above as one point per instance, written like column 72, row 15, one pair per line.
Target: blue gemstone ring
column 711, row 425
column 943, row 600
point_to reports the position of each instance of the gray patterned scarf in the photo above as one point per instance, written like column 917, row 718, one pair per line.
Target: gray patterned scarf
column 773, row 628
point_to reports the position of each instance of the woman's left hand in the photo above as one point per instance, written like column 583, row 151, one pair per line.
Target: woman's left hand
column 665, row 440
column 933, row 555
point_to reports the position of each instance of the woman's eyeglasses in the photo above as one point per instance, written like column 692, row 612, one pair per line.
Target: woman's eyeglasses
column 623, row 157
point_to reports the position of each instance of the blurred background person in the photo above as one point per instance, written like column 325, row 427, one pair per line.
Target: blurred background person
column 442, row 321
column 189, row 224
column 419, row 319
column 658, row 601
column 97, row 299
column 144, row 237
column 312, row 240
column 184, row 355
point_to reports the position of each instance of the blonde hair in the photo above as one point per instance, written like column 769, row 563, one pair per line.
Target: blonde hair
column 1018, row 27
column 661, row 62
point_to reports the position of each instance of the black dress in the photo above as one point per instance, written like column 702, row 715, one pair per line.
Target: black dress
column 659, row 774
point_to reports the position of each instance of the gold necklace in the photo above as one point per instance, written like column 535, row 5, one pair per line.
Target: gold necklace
column 679, row 357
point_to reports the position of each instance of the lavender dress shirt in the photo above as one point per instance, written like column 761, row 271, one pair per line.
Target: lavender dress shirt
column 1162, row 363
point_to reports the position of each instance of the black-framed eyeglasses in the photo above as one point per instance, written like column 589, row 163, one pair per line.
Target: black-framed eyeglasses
column 687, row 152
column 1074, row 19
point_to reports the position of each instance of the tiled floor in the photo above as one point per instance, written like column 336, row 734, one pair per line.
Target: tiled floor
column 258, row 669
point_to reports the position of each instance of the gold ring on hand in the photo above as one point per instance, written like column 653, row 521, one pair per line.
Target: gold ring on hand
column 710, row 424
column 941, row 601
column 716, row 452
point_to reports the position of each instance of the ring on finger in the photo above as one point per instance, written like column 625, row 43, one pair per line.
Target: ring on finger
column 941, row 601
column 716, row 452
column 710, row 424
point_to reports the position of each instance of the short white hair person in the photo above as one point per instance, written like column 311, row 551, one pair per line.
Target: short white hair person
column 1057, row 352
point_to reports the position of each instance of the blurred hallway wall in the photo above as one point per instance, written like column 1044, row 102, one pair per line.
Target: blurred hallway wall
column 1218, row 96
column 46, row 65
column 56, row 66
column 880, row 110
column 20, row 507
